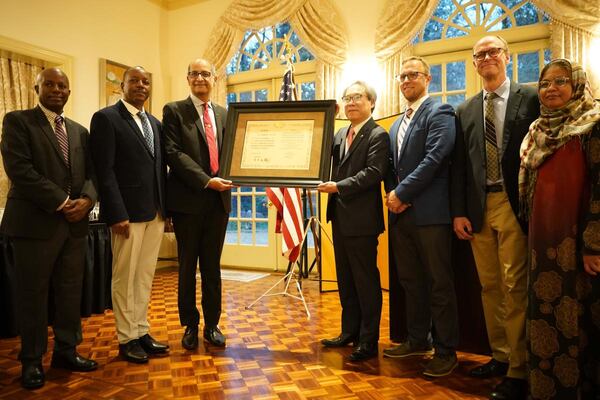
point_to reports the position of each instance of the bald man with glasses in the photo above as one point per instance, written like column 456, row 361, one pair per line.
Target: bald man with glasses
column 484, row 205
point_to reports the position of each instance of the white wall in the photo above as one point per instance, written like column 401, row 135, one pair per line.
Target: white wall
column 129, row 32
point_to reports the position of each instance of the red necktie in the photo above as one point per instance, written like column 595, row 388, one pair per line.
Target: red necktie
column 213, row 151
column 349, row 138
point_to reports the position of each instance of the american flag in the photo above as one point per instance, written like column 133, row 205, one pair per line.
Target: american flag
column 287, row 200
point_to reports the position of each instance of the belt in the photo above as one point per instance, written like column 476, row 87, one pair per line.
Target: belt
column 494, row 188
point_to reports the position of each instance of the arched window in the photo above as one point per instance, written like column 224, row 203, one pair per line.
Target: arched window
column 447, row 39
column 255, row 73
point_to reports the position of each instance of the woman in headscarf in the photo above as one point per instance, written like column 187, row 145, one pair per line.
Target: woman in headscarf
column 559, row 184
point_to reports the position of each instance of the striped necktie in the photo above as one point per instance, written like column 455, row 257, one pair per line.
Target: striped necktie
column 147, row 131
column 61, row 137
column 403, row 127
column 491, row 141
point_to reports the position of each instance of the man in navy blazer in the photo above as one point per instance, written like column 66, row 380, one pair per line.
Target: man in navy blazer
column 419, row 221
column 128, row 156
column 46, row 218
column 360, row 160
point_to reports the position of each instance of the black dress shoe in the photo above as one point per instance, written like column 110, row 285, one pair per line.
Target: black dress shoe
column 32, row 376
column 364, row 351
column 133, row 352
column 151, row 346
column 489, row 369
column 73, row 362
column 214, row 336
column 341, row 341
column 190, row 338
column 510, row 389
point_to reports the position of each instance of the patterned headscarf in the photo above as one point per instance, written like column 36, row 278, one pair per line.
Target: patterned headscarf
column 554, row 128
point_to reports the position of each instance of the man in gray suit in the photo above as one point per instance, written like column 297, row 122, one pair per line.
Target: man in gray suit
column 46, row 157
column 198, row 200
column 484, row 205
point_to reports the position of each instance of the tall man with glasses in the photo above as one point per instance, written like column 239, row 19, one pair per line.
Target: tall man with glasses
column 127, row 152
column 46, row 158
column 420, row 231
column 484, row 205
column 199, row 200
column 360, row 160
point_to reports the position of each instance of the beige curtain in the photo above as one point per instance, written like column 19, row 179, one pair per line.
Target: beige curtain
column 316, row 22
column 575, row 28
column 17, row 79
column 400, row 21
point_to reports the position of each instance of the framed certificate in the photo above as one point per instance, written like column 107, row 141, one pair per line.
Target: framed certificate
column 278, row 143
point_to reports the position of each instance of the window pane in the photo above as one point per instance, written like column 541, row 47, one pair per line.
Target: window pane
column 262, row 233
column 246, row 232
column 234, row 209
column 526, row 15
column 308, row 90
column 547, row 56
column 261, row 95
column 245, row 62
column 436, row 78
column 262, row 210
column 444, row 9
column 509, row 69
column 231, row 236
column 455, row 76
column 437, row 99
column 504, row 24
column 294, row 40
column 252, row 44
column 246, row 189
column 455, row 99
column 246, row 206
column 232, row 66
column 231, row 98
column 452, row 32
column 282, row 29
column 529, row 68
column 433, row 31
column 305, row 55
column 259, row 189
column 246, row 96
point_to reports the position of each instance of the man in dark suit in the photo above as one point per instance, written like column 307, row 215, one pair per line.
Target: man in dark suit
column 360, row 159
column 127, row 152
column 46, row 158
column 420, row 231
column 484, row 205
column 199, row 200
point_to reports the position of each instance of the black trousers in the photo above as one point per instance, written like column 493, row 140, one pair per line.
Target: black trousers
column 56, row 263
column 359, row 284
column 200, row 240
column 422, row 256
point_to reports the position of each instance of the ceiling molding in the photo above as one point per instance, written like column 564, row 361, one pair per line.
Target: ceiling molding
column 175, row 4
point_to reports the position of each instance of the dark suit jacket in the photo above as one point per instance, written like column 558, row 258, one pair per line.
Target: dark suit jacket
column 39, row 175
column 468, row 174
column 188, row 157
column 421, row 175
column 131, row 181
column 358, row 206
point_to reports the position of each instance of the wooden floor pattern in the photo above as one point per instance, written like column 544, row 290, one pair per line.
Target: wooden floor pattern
column 272, row 352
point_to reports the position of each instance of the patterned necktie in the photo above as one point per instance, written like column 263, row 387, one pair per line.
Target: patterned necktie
column 210, row 139
column 491, row 141
column 349, row 138
column 61, row 136
column 147, row 131
column 403, row 128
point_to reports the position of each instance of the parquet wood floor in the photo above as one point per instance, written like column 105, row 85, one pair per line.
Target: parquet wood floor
column 272, row 352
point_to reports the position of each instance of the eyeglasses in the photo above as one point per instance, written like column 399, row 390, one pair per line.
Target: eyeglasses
column 493, row 53
column 352, row 98
column 196, row 74
column 558, row 82
column 411, row 76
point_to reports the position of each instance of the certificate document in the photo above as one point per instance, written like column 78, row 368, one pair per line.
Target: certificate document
column 278, row 144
